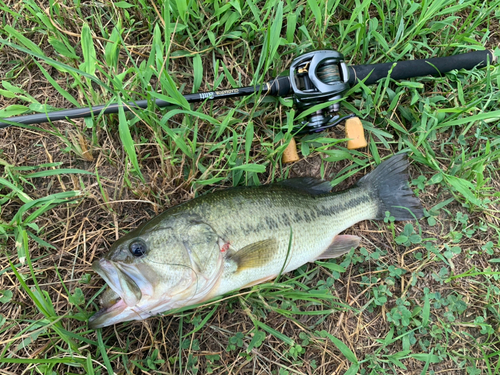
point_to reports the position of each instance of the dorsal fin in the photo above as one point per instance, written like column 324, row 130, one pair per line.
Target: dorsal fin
column 311, row 185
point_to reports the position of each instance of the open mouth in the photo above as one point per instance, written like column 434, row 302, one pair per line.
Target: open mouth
column 109, row 298
column 123, row 293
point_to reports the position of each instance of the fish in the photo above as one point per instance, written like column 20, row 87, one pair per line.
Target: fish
column 242, row 236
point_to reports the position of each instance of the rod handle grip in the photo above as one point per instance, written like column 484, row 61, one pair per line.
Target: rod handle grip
column 418, row 68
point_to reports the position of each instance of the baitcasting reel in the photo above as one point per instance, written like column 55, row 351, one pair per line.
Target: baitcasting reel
column 318, row 77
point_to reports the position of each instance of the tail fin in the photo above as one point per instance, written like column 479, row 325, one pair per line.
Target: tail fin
column 389, row 181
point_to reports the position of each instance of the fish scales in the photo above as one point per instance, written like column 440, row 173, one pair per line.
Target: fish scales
column 240, row 237
column 310, row 222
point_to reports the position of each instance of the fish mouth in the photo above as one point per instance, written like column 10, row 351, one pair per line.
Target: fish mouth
column 127, row 286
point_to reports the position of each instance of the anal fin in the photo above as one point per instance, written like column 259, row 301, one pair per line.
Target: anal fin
column 341, row 244
column 255, row 255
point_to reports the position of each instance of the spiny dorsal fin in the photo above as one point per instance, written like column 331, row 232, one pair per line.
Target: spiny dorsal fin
column 310, row 185
column 255, row 255
column 341, row 244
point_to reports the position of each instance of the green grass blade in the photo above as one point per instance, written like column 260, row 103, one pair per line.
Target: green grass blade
column 127, row 141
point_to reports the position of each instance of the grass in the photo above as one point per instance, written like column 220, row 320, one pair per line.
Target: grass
column 415, row 299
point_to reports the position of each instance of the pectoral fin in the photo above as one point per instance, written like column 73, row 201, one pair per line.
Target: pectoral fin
column 341, row 244
column 255, row 255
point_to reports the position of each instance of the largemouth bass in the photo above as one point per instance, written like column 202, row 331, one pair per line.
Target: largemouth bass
column 240, row 237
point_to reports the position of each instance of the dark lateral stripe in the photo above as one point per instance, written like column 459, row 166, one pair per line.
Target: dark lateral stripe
column 358, row 200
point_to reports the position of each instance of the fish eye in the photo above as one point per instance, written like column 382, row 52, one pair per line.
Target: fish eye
column 137, row 248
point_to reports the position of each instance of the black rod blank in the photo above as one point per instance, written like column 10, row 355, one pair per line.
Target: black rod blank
column 277, row 87
column 114, row 107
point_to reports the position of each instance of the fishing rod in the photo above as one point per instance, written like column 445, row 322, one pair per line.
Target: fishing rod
column 315, row 77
